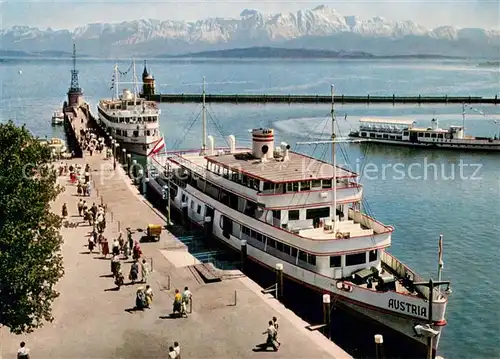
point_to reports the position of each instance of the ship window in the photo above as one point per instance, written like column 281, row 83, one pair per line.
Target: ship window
column 124, row 133
column 253, row 234
column 148, row 133
column 268, row 186
column 118, row 132
column 305, row 186
column 385, row 136
column 258, row 237
column 355, row 259
column 316, row 184
column 428, row 135
column 420, row 134
column 183, row 199
column 293, row 215
column 292, row 187
column 405, row 133
column 311, row 259
column 440, row 135
column 286, row 249
column 335, row 261
column 136, row 134
column 271, row 242
column 372, row 135
column 372, row 256
column 318, row 213
column 279, row 246
column 198, row 210
column 303, row 256
column 294, row 252
column 192, row 204
column 277, row 214
column 326, row 183
column 245, row 230
column 363, row 134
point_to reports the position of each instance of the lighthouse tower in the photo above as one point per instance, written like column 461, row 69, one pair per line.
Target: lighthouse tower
column 148, row 83
column 75, row 93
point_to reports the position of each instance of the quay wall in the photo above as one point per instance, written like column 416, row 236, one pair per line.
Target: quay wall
column 274, row 98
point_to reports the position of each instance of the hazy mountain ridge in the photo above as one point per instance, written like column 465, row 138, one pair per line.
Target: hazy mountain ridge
column 285, row 53
column 320, row 28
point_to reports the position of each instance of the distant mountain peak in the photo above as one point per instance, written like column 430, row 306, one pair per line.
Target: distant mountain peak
column 321, row 27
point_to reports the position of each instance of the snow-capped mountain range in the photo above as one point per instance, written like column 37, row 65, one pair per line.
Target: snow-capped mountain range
column 319, row 28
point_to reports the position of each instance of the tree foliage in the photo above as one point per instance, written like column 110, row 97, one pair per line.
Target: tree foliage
column 30, row 243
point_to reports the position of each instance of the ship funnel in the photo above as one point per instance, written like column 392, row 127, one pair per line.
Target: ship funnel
column 232, row 143
column 211, row 145
column 285, row 148
column 434, row 124
column 263, row 143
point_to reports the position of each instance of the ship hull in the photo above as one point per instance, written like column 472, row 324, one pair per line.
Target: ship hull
column 397, row 323
column 483, row 146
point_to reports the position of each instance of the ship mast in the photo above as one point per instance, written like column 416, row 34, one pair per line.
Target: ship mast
column 116, row 81
column 334, row 164
column 463, row 118
column 204, row 121
column 134, row 80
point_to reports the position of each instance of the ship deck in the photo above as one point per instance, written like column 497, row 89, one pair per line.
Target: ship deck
column 296, row 168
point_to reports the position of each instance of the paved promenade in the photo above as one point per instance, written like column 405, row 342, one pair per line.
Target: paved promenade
column 92, row 321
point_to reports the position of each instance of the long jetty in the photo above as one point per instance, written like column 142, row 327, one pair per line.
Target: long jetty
column 343, row 99
column 226, row 319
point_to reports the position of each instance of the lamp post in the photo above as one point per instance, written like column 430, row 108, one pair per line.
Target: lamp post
column 431, row 285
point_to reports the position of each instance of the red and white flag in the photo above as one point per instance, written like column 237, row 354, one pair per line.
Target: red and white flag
column 160, row 145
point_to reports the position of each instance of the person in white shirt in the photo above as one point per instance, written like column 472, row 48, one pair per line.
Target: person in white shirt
column 171, row 353
column 271, row 333
column 23, row 352
column 186, row 297
column 177, row 349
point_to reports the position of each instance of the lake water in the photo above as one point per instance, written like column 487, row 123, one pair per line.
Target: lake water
column 422, row 193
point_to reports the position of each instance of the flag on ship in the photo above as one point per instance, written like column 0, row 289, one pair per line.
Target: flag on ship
column 440, row 249
column 157, row 147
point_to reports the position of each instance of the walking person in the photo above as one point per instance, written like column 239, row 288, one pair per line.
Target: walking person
column 149, row 296
column 23, row 352
column 171, row 353
column 177, row 349
column 276, row 326
column 186, row 298
column 134, row 272
column 145, row 270
column 270, row 337
column 64, row 210
column 80, row 207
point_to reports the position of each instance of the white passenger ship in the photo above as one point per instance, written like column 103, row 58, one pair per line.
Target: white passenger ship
column 132, row 121
column 403, row 132
column 298, row 211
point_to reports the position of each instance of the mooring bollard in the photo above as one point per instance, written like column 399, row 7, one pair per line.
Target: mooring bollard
column 327, row 315
column 235, row 298
column 124, row 156
column 379, row 340
column 168, row 282
column 129, row 161
column 243, row 252
column 279, row 281
column 133, row 170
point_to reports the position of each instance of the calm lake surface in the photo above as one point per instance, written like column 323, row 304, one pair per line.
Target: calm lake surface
column 422, row 193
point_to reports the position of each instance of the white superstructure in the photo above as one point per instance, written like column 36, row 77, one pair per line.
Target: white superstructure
column 132, row 121
column 404, row 132
column 57, row 117
column 305, row 214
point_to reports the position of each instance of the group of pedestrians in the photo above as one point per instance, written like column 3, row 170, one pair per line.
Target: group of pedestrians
column 174, row 352
column 272, row 335
column 181, row 302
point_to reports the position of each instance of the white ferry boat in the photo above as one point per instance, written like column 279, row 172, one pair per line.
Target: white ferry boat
column 304, row 213
column 403, row 132
column 132, row 121
column 57, row 118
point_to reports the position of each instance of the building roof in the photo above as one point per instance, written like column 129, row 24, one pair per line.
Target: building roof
column 298, row 167
column 387, row 121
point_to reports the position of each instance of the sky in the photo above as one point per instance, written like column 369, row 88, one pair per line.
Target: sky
column 69, row 14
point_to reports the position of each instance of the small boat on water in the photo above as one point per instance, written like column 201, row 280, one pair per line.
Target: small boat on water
column 57, row 117
column 57, row 146
column 403, row 132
